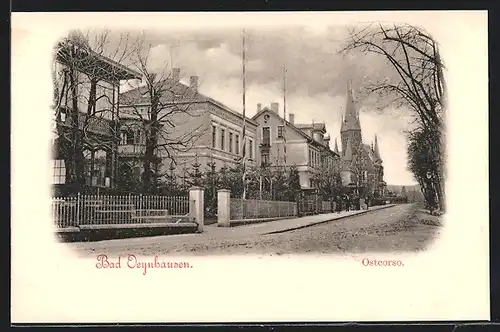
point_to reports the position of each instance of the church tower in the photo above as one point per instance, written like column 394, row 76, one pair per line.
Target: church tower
column 350, row 129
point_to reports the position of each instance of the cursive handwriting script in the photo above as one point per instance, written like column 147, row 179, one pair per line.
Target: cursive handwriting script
column 133, row 262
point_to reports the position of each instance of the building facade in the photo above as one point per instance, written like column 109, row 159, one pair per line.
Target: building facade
column 86, row 92
column 362, row 166
column 285, row 143
column 195, row 130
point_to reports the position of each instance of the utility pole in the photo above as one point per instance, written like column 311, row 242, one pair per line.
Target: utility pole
column 243, row 138
column 284, row 117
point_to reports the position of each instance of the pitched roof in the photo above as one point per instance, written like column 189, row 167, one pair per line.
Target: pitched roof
column 314, row 126
column 289, row 124
column 294, row 127
column 88, row 61
column 369, row 151
column 174, row 93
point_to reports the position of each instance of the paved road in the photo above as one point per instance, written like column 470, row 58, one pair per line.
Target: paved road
column 394, row 228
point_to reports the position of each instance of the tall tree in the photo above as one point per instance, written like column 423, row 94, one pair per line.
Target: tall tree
column 417, row 82
column 169, row 105
column 293, row 183
column 328, row 180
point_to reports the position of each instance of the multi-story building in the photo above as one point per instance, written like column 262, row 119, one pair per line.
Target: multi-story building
column 362, row 166
column 195, row 129
column 86, row 93
column 307, row 145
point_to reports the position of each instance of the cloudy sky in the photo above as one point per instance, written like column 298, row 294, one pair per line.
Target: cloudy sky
column 316, row 78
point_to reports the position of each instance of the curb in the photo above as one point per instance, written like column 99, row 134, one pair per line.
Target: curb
column 328, row 220
column 243, row 222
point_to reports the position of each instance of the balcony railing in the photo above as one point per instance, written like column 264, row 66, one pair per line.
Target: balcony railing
column 131, row 149
column 94, row 124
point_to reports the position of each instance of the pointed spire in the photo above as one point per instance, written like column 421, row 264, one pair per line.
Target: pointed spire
column 336, row 148
column 351, row 120
column 375, row 148
column 348, row 151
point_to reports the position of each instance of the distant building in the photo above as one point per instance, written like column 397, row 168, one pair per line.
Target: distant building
column 214, row 131
column 307, row 145
column 362, row 167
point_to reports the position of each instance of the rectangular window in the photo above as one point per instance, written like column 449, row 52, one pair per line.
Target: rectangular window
column 222, row 138
column 58, row 172
column 237, row 145
column 265, row 159
column 280, row 131
column 137, row 137
column 123, row 138
column 230, row 142
column 266, row 136
column 250, row 147
column 214, row 135
column 128, row 137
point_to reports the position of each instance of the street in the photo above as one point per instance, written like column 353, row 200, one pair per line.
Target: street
column 399, row 228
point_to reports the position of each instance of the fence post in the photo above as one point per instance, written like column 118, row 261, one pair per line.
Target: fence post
column 223, row 207
column 298, row 199
column 197, row 212
column 78, row 209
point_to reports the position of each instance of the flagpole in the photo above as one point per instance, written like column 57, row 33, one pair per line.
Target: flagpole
column 284, row 116
column 243, row 139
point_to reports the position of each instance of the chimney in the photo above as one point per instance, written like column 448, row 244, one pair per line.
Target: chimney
column 193, row 83
column 275, row 107
column 291, row 118
column 176, row 73
column 259, row 107
column 326, row 139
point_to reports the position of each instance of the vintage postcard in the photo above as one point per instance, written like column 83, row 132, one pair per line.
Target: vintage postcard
column 250, row 167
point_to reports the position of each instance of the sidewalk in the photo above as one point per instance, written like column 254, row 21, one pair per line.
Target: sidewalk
column 284, row 225
column 213, row 232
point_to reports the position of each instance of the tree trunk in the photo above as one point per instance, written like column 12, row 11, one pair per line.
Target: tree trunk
column 149, row 175
column 75, row 154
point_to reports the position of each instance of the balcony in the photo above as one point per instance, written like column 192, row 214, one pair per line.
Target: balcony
column 131, row 150
column 265, row 146
column 89, row 123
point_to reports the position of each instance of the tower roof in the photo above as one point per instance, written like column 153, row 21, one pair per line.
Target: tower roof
column 351, row 119
column 375, row 148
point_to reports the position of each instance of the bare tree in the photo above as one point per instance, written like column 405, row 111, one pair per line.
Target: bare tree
column 414, row 57
column 158, row 107
column 84, row 67
column 328, row 180
column 416, row 81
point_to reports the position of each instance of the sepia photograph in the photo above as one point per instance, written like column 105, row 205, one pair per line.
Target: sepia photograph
column 327, row 138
